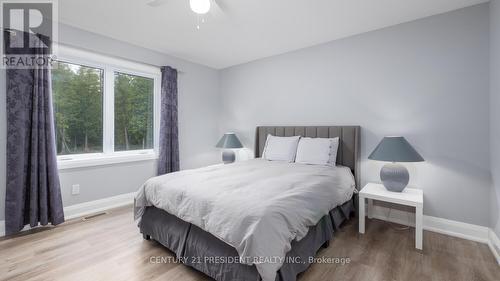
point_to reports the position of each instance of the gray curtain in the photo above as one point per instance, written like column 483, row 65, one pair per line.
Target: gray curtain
column 169, row 132
column 33, row 194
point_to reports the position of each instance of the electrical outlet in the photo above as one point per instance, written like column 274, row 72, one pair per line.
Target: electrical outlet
column 75, row 189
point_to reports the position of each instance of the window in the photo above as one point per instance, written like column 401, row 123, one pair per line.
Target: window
column 133, row 112
column 105, row 109
column 78, row 100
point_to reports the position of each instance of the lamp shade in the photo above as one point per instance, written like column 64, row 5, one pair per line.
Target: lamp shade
column 229, row 140
column 395, row 149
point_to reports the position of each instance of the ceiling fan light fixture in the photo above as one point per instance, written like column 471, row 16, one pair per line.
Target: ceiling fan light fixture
column 200, row 6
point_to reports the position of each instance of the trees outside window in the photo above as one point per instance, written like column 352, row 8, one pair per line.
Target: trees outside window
column 78, row 107
column 133, row 112
column 102, row 110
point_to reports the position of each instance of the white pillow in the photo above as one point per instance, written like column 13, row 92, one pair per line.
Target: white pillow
column 317, row 151
column 280, row 148
column 333, row 151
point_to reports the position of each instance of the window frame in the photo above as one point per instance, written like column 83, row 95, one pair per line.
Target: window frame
column 110, row 65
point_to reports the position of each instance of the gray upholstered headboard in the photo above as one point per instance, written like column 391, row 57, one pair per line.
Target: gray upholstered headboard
column 348, row 153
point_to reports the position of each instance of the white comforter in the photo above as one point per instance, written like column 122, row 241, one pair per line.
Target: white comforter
column 256, row 206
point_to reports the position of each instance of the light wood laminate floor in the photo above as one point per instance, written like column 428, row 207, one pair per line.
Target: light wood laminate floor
column 110, row 247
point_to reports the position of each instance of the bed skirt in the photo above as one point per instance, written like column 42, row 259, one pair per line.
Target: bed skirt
column 208, row 254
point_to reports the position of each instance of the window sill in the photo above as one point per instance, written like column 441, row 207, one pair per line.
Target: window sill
column 80, row 161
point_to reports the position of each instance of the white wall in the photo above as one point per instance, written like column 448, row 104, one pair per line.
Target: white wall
column 495, row 113
column 198, row 132
column 426, row 80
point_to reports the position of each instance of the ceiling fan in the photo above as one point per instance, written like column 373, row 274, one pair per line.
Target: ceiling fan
column 200, row 7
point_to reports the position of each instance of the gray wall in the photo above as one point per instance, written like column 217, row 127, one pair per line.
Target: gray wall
column 495, row 113
column 426, row 80
column 198, row 112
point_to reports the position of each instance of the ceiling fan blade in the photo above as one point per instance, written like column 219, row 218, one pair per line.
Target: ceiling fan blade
column 156, row 3
column 219, row 5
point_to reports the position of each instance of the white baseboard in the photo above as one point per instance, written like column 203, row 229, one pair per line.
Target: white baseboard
column 87, row 208
column 96, row 206
column 457, row 229
column 481, row 234
column 444, row 226
column 393, row 215
column 494, row 244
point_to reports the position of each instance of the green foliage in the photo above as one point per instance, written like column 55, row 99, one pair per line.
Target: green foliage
column 133, row 112
column 78, row 99
column 78, row 104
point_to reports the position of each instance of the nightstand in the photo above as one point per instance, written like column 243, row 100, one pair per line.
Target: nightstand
column 409, row 197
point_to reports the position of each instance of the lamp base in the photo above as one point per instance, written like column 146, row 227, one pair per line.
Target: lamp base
column 395, row 177
column 228, row 156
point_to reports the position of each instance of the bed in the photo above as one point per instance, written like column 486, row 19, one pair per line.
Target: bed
column 215, row 221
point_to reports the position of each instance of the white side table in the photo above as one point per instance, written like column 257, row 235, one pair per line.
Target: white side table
column 409, row 197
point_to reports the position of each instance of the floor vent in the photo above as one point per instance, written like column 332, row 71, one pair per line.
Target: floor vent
column 94, row 216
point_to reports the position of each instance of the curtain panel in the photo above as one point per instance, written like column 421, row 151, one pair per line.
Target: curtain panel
column 33, row 194
column 168, row 160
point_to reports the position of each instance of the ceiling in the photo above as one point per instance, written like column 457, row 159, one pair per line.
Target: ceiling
column 244, row 30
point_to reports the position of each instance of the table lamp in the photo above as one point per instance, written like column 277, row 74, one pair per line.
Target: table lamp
column 394, row 176
column 229, row 142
